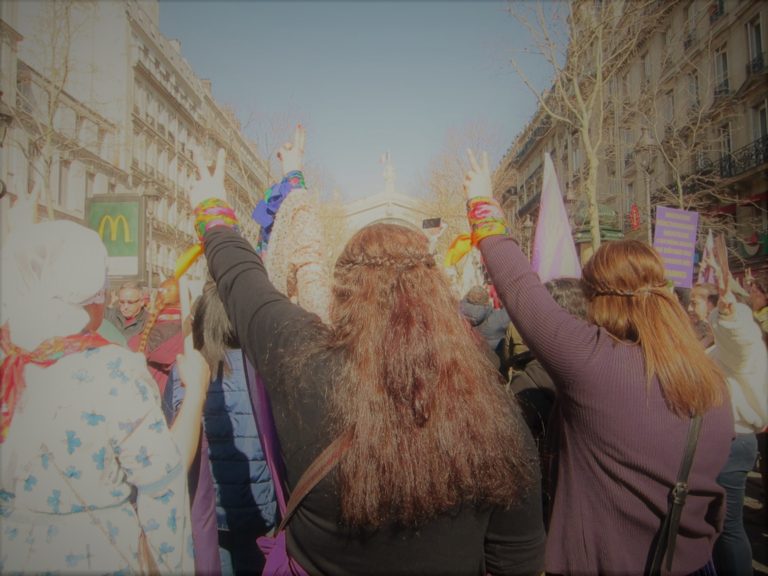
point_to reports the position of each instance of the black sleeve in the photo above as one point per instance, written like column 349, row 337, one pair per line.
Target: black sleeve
column 265, row 321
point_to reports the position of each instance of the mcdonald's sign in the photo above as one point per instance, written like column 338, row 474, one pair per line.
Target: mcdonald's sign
column 118, row 223
column 114, row 227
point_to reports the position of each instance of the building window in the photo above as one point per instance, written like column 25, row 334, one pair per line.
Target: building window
column 669, row 108
column 755, row 38
column 759, row 122
column 575, row 153
column 726, row 142
column 689, row 17
column 721, row 72
column 90, row 180
column 645, row 70
column 625, row 87
column 63, row 188
column 693, row 91
column 726, row 147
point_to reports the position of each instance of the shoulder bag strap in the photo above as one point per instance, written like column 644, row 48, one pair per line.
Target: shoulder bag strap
column 665, row 547
column 316, row 471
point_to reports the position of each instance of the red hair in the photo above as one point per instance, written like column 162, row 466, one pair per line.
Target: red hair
column 433, row 426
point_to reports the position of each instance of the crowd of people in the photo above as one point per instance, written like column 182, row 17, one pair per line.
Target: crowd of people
column 134, row 440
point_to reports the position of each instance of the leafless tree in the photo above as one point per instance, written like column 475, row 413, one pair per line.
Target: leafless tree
column 586, row 44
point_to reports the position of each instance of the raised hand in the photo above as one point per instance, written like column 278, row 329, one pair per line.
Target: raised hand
column 477, row 181
column 193, row 370
column 291, row 154
column 208, row 185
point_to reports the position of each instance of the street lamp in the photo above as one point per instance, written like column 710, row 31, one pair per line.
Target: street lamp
column 6, row 118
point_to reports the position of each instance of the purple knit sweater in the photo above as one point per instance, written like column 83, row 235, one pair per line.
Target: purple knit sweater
column 620, row 448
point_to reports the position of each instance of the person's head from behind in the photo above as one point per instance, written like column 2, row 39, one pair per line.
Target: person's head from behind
column 569, row 294
column 212, row 332
column 412, row 382
column 628, row 296
column 130, row 299
column 703, row 300
column 53, row 282
column 477, row 295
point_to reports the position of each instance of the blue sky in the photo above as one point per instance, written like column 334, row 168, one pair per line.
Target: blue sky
column 364, row 77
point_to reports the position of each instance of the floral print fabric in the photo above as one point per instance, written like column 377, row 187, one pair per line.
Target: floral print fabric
column 89, row 461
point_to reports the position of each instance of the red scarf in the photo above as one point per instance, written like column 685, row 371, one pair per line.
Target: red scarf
column 12, row 369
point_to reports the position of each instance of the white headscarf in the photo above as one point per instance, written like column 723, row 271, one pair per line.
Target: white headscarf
column 50, row 271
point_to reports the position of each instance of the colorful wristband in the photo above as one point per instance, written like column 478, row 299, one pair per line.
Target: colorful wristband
column 266, row 210
column 485, row 218
column 211, row 213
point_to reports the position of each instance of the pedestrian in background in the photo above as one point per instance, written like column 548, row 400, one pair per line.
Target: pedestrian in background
column 130, row 314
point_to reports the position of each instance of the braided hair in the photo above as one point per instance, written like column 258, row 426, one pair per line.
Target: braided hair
column 168, row 294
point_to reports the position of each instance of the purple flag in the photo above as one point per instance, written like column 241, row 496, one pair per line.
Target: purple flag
column 675, row 240
column 554, row 253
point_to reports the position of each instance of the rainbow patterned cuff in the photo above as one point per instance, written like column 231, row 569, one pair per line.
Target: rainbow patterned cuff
column 266, row 210
column 214, row 212
column 485, row 218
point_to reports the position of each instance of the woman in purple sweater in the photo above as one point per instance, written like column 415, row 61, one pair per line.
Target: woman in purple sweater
column 628, row 382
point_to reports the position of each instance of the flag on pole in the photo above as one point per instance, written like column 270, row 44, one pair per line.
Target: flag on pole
column 554, row 253
column 707, row 273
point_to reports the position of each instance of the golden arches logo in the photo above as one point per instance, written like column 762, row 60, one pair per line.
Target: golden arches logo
column 114, row 226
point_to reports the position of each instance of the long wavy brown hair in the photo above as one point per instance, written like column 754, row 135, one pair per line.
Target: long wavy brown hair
column 432, row 425
column 628, row 296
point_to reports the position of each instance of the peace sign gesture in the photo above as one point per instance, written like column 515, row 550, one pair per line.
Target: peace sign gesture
column 291, row 154
column 477, row 182
column 208, row 185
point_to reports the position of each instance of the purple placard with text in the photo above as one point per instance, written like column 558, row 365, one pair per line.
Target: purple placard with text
column 675, row 241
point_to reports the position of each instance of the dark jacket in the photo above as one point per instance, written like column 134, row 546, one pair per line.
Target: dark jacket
column 489, row 322
column 245, row 496
column 469, row 539
column 127, row 329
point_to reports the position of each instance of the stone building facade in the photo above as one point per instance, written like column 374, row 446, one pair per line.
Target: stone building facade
column 122, row 128
column 683, row 125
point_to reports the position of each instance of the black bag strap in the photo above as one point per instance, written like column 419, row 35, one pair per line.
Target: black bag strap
column 324, row 463
column 665, row 546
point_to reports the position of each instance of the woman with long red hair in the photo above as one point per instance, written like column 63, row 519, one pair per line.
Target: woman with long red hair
column 440, row 476
column 629, row 380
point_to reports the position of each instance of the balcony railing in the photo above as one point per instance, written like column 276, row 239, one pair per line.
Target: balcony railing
column 722, row 89
column 534, row 137
column 757, row 64
column 750, row 156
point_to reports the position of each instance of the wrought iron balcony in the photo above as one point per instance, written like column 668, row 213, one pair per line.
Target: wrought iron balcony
column 722, row 89
column 757, row 64
column 750, row 156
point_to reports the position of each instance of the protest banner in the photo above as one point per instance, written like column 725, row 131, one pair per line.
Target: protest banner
column 675, row 241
